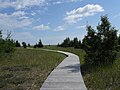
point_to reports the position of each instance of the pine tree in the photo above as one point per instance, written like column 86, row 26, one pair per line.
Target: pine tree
column 76, row 43
column 58, row 45
column 35, row 46
column 79, row 43
column 100, row 46
column 66, row 42
column 40, row 44
column 29, row 45
column 17, row 44
column 24, row 44
column 108, row 35
column 71, row 44
column 119, row 40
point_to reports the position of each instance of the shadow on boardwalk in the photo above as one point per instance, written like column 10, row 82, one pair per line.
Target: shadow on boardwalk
column 73, row 68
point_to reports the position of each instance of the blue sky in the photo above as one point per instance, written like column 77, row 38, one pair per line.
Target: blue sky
column 54, row 20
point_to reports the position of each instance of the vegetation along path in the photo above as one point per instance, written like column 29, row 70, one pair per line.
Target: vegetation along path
column 66, row 76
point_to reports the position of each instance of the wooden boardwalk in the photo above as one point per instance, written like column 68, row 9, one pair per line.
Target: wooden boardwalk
column 66, row 76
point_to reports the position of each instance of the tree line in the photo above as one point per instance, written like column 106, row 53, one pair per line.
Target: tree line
column 37, row 45
column 70, row 43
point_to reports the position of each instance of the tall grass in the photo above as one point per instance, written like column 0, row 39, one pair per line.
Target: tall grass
column 27, row 69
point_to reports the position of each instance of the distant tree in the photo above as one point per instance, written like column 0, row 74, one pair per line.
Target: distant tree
column 58, row 45
column 100, row 46
column 66, row 42
column 17, row 44
column 35, row 46
column 76, row 43
column 71, row 44
column 29, row 45
column 40, row 44
column 79, row 43
column 24, row 44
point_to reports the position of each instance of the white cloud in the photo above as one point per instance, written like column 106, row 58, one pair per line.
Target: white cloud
column 41, row 27
column 82, row 12
column 20, row 4
column 59, row 28
column 23, row 17
column 64, row 1
column 75, row 0
column 81, row 27
column 14, row 20
column 58, row 2
column 18, row 13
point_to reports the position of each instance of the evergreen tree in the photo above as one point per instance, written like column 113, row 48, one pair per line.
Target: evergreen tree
column 17, row 44
column 24, row 44
column 35, row 46
column 89, row 45
column 76, row 43
column 29, row 45
column 66, row 42
column 100, row 46
column 119, row 40
column 58, row 45
column 40, row 44
column 79, row 43
column 71, row 44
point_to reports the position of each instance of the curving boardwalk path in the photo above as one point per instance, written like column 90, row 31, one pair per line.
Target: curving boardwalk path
column 66, row 76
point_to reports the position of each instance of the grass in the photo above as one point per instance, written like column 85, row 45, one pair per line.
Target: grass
column 97, row 77
column 27, row 69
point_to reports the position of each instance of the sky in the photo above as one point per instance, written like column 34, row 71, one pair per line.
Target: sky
column 54, row 20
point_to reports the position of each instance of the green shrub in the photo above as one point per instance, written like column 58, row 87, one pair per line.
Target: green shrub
column 6, row 45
